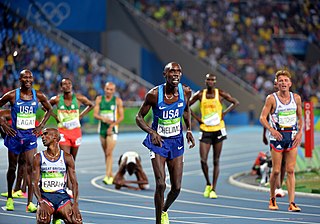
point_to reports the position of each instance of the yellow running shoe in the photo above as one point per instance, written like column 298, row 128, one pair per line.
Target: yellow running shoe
column 31, row 208
column 165, row 218
column 213, row 194
column 56, row 221
column 10, row 204
column 207, row 191
column 108, row 180
column 19, row 194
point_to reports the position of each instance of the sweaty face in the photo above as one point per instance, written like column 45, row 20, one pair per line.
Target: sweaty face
column 109, row 89
column 284, row 83
column 46, row 137
column 210, row 81
column 66, row 86
column 173, row 74
column 26, row 79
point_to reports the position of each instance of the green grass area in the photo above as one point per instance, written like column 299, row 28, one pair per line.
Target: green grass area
column 307, row 181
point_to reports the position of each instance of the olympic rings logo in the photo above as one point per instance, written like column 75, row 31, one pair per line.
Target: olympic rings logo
column 55, row 13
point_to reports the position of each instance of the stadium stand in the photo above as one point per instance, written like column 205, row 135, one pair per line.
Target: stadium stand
column 248, row 38
column 23, row 45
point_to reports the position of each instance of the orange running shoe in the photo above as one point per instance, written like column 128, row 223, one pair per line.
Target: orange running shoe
column 293, row 207
column 273, row 204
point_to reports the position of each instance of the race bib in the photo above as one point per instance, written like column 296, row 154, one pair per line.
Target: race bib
column 211, row 119
column 168, row 128
column 74, row 123
column 287, row 118
column 52, row 182
column 108, row 114
column 26, row 121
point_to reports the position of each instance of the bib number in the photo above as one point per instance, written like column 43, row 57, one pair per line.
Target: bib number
column 212, row 119
column 26, row 121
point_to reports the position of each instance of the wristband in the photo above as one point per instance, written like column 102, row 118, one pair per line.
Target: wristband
column 189, row 131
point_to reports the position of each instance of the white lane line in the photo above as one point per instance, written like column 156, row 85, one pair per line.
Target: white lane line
column 93, row 182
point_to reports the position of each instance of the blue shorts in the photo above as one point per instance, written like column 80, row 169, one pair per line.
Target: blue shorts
column 171, row 147
column 56, row 200
column 285, row 144
column 18, row 145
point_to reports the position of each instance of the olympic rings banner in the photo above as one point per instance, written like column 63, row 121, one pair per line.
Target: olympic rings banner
column 67, row 15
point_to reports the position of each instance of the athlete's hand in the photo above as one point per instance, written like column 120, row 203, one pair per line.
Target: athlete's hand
column 190, row 139
column 276, row 134
column 297, row 140
column 37, row 131
column 156, row 139
column 6, row 127
column 76, row 216
column 42, row 214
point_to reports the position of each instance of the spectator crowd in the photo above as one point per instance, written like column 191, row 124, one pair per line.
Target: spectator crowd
column 245, row 37
column 22, row 46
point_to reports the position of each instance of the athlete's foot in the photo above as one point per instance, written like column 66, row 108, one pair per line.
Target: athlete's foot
column 213, row 194
column 108, row 180
column 10, row 204
column 207, row 191
column 19, row 194
column 31, row 208
column 165, row 218
column 56, row 221
column 273, row 204
column 293, row 207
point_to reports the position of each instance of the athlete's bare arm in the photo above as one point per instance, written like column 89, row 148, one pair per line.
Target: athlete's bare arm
column 197, row 96
column 187, row 117
column 47, row 108
column 150, row 101
column 85, row 101
column 234, row 102
column 298, row 137
column 76, row 216
column 266, row 110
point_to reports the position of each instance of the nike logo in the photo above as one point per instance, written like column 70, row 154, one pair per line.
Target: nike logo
column 161, row 108
column 180, row 147
column 19, row 103
column 32, row 143
column 180, row 104
column 220, row 136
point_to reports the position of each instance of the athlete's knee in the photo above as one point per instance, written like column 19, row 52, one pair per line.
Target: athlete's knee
column 290, row 171
column 216, row 162
column 176, row 190
column 160, row 185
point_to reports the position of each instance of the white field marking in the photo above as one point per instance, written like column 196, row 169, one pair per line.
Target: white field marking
column 206, row 215
column 137, row 217
column 16, row 215
column 93, row 182
column 245, row 199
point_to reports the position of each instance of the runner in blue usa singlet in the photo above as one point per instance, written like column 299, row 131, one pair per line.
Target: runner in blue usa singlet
column 23, row 114
column 167, row 123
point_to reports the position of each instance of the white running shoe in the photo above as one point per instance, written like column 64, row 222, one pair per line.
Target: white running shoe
column 279, row 193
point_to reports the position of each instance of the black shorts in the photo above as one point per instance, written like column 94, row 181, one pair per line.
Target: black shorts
column 213, row 137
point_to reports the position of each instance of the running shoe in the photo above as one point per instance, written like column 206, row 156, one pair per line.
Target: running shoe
column 31, row 208
column 165, row 218
column 293, row 207
column 108, row 180
column 279, row 193
column 213, row 194
column 56, row 221
column 207, row 191
column 16, row 194
column 273, row 204
column 10, row 204
column 19, row 194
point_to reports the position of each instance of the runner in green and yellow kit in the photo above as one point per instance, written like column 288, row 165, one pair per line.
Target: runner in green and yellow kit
column 109, row 111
